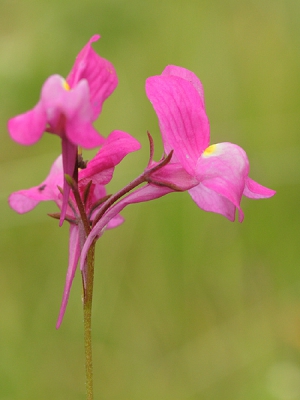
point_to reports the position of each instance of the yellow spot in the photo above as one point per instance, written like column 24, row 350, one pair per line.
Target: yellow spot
column 66, row 85
column 209, row 150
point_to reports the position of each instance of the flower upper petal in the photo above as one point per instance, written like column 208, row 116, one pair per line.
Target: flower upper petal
column 188, row 75
column 99, row 73
column 25, row 200
column 183, row 122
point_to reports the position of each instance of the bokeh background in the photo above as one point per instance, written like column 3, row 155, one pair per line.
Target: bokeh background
column 187, row 305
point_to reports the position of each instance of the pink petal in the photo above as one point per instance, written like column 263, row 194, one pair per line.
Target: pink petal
column 209, row 200
column 25, row 200
column 254, row 190
column 115, row 222
column 29, row 127
column 223, row 168
column 99, row 73
column 83, row 133
column 116, row 147
column 188, row 75
column 100, row 178
column 183, row 122
column 74, row 253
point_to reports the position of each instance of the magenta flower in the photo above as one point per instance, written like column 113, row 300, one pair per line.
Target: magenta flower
column 99, row 171
column 217, row 175
column 68, row 109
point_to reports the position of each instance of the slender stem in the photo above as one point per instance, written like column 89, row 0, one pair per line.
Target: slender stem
column 88, row 284
column 87, row 315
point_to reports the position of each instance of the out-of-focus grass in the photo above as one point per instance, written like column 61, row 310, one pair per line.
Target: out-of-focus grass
column 187, row 305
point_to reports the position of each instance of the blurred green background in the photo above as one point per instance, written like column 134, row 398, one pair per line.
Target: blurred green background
column 187, row 305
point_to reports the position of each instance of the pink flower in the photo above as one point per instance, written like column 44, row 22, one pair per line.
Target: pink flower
column 100, row 171
column 68, row 109
column 216, row 175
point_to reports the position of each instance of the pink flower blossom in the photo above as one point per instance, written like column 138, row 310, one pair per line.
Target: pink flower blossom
column 68, row 109
column 216, row 175
column 100, row 171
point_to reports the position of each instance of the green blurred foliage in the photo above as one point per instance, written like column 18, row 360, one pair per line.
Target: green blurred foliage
column 187, row 306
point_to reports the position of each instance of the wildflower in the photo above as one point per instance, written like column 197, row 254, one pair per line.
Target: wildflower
column 91, row 181
column 216, row 176
column 220, row 171
column 68, row 108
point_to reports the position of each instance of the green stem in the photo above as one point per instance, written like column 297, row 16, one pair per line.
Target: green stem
column 87, row 282
column 87, row 314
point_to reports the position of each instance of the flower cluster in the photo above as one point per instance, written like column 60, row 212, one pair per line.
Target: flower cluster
column 216, row 176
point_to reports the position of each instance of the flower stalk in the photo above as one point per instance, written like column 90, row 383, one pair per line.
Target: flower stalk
column 87, row 317
column 87, row 284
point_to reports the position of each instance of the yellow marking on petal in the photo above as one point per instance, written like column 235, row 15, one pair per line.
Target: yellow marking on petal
column 66, row 85
column 209, row 150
